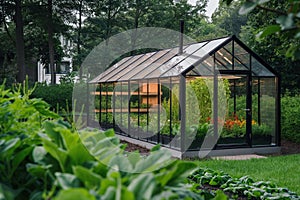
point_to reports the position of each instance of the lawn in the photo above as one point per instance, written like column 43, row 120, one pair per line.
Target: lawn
column 281, row 170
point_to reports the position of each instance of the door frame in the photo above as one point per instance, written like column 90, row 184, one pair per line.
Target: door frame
column 248, row 109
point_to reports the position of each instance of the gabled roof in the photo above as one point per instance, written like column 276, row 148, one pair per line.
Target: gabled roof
column 167, row 62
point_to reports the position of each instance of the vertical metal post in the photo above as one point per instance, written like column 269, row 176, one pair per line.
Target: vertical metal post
column 170, row 109
column 182, row 100
column 158, row 111
column 88, row 105
column 249, row 105
column 258, row 103
column 249, row 111
column 128, row 118
column 278, row 111
column 114, row 106
column 139, row 107
column 148, row 106
column 106, row 105
column 232, row 60
column 215, row 100
column 121, row 106
column 100, row 109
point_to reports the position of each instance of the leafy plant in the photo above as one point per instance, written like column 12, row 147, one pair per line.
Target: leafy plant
column 290, row 124
column 244, row 186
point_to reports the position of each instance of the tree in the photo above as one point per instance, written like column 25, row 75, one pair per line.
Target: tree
column 227, row 18
column 272, row 47
column 285, row 21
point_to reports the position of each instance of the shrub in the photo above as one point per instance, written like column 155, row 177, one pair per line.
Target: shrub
column 58, row 96
column 290, row 116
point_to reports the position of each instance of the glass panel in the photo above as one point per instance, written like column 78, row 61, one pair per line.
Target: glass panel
column 106, row 116
column 131, row 67
column 174, row 61
column 264, row 130
column 165, row 119
column 142, row 64
column 134, row 102
column 112, row 68
column 173, row 113
column 187, row 62
column 120, row 107
column 120, row 68
column 242, row 58
column 258, row 69
column 205, row 68
column 225, row 59
column 153, row 97
column 156, row 64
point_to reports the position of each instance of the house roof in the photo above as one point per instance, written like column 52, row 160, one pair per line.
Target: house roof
column 226, row 53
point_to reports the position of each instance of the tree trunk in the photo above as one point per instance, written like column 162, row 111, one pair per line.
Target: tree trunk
column 51, row 43
column 20, row 41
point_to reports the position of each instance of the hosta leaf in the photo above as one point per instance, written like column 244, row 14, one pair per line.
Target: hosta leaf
column 20, row 156
column 37, row 170
column 120, row 163
column 220, row 195
column 90, row 179
column 154, row 161
column 7, row 149
column 74, row 193
column 6, row 193
column 66, row 181
column 58, row 153
column 143, row 186
column 177, row 174
column 39, row 154
column 134, row 158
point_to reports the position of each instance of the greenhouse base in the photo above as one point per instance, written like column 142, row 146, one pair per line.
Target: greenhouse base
column 212, row 153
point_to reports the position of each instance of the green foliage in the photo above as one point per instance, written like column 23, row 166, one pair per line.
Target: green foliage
column 57, row 96
column 290, row 116
column 244, row 186
column 56, row 162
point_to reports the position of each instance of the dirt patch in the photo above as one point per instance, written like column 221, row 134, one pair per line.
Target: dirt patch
column 134, row 147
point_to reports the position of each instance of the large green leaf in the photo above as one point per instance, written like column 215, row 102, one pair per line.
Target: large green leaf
column 177, row 174
column 6, row 193
column 67, row 181
column 8, row 148
column 143, row 186
column 74, row 193
column 37, row 170
column 155, row 161
column 39, row 154
column 19, row 157
column 59, row 154
column 90, row 179
column 120, row 163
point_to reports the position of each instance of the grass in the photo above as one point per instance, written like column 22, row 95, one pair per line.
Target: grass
column 284, row 171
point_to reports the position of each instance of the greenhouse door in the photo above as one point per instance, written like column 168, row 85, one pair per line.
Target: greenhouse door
column 236, row 130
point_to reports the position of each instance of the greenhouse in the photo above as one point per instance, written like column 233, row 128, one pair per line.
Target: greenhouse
column 216, row 96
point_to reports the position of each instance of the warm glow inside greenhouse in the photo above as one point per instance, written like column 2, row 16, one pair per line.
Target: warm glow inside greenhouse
column 214, row 95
